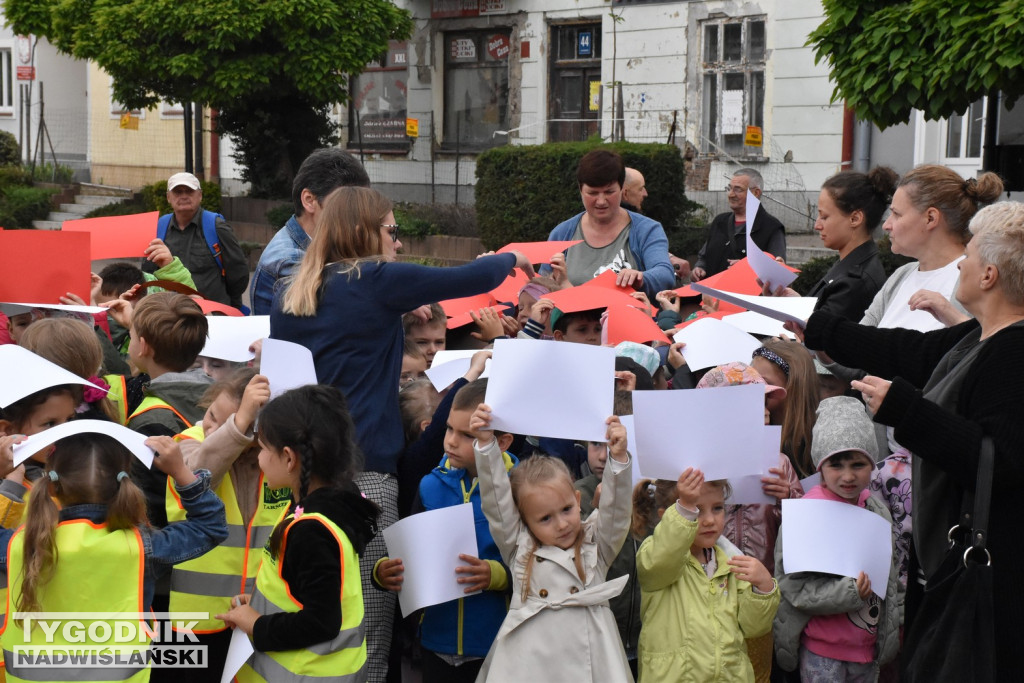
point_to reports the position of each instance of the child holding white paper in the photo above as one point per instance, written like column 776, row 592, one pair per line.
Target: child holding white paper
column 224, row 444
column 86, row 545
column 559, row 626
column 754, row 527
column 702, row 599
column 305, row 614
column 836, row 628
column 457, row 635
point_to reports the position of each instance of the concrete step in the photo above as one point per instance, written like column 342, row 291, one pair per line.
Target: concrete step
column 78, row 209
column 47, row 225
column 94, row 200
column 63, row 216
column 797, row 256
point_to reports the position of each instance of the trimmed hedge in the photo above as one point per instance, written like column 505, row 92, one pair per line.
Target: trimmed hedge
column 523, row 191
column 19, row 206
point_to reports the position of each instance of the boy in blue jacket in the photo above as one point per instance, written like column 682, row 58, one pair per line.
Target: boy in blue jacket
column 456, row 635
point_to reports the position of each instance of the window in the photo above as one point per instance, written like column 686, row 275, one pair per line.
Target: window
column 117, row 109
column 377, row 109
column 475, row 88
column 732, row 98
column 965, row 133
column 575, row 94
column 171, row 110
column 6, row 80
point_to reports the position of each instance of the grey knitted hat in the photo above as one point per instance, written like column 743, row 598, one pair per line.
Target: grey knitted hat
column 842, row 425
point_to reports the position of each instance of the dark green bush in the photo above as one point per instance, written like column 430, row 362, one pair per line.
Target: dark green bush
column 522, row 192
column 14, row 175
column 419, row 220
column 19, row 206
column 154, row 197
column 10, row 150
column 280, row 214
column 123, row 208
column 815, row 269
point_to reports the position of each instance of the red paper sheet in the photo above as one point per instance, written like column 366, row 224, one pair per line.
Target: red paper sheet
column 538, row 252
column 739, row 278
column 40, row 266
column 508, row 291
column 217, row 307
column 117, row 236
column 626, row 323
column 454, row 307
column 589, row 296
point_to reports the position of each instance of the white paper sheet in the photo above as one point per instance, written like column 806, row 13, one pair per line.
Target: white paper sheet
column 132, row 440
column 286, row 365
column 18, row 308
column 768, row 270
column 808, row 483
column 554, row 389
column 239, row 652
column 749, row 489
column 711, row 429
column 830, row 537
column 448, row 366
column 755, row 323
column 230, row 336
column 23, row 372
column 710, row 342
column 429, row 545
column 784, row 308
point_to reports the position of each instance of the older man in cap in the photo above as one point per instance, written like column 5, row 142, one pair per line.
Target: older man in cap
column 204, row 242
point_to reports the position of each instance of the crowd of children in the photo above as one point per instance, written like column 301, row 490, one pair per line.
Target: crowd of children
column 252, row 511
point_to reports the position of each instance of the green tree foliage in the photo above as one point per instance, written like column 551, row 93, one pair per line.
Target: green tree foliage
column 245, row 58
column 522, row 192
column 888, row 58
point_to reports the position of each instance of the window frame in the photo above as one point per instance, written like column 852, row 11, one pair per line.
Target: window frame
column 8, row 93
column 481, row 63
column 395, row 60
column 716, row 70
column 964, row 134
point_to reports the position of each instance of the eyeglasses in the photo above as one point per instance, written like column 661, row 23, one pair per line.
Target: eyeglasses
column 392, row 230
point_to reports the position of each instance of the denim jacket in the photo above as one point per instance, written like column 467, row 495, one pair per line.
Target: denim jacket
column 204, row 528
column 280, row 256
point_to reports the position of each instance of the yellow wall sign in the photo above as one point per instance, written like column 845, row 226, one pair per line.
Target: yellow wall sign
column 412, row 128
column 753, row 136
column 129, row 122
column 594, row 102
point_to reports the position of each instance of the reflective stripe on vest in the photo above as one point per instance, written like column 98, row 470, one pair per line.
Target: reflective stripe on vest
column 114, row 561
column 153, row 403
column 118, row 396
column 343, row 658
column 207, row 583
column 194, row 432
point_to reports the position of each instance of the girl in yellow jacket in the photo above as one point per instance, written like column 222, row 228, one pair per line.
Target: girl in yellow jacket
column 697, row 607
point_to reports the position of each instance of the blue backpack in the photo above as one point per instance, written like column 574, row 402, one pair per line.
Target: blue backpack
column 209, row 223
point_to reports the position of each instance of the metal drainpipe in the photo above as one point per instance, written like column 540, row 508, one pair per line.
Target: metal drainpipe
column 862, row 146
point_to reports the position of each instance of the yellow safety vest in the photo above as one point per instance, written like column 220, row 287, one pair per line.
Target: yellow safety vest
column 97, row 570
column 207, row 583
column 118, row 395
column 154, row 403
column 340, row 660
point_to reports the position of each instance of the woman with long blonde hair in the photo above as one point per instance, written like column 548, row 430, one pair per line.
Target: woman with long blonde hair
column 345, row 304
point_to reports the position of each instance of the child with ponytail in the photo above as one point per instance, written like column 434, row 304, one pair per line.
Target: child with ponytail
column 305, row 614
column 87, row 547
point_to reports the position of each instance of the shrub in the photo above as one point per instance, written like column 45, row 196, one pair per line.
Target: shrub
column 123, row 208
column 50, row 173
column 522, row 192
column 154, row 197
column 280, row 214
column 22, row 205
column 14, row 175
column 418, row 220
column 10, row 150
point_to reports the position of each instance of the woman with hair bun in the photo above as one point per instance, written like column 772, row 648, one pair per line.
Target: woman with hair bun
column 850, row 207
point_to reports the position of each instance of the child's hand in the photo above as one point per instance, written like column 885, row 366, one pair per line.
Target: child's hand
column 625, row 380
column 255, row 396
column 120, row 310
column 256, row 348
column 675, row 355
column 241, row 615
column 863, row 586
column 616, row 436
column 7, row 453
column 169, row 460
column 668, row 300
column 559, row 272
column 158, row 253
column 476, row 573
column 480, row 424
column 95, row 285
column 541, row 311
column 776, row 486
column 642, row 298
column 752, row 571
column 72, row 299
column 489, row 322
column 596, row 501
column 510, row 325
column 477, row 365
column 391, row 574
column 688, row 487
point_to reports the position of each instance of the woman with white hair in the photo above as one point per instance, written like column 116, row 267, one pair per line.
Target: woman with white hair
column 947, row 390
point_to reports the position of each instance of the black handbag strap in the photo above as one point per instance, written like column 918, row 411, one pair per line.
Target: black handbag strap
column 983, row 495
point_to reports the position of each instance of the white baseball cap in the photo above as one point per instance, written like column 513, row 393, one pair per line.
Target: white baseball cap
column 186, row 179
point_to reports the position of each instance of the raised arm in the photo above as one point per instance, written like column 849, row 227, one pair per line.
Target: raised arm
column 495, row 491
